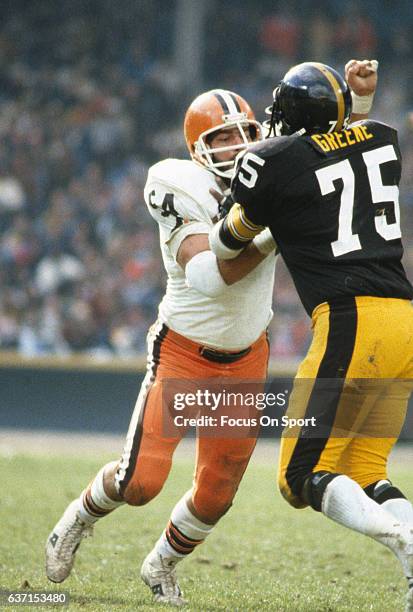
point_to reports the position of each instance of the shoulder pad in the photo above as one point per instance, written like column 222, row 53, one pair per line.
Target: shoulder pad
column 375, row 125
column 182, row 175
column 273, row 146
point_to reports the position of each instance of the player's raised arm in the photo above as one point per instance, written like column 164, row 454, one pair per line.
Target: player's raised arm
column 361, row 75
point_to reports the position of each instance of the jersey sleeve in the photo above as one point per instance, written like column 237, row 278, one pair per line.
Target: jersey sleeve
column 251, row 186
column 248, row 216
column 176, row 215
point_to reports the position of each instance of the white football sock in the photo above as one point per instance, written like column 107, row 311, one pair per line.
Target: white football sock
column 94, row 503
column 183, row 533
column 400, row 508
column 345, row 502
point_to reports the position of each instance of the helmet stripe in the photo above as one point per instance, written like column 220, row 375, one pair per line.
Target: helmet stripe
column 237, row 106
column 337, row 90
column 228, row 102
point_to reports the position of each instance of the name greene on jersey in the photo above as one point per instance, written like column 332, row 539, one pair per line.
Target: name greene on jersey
column 343, row 139
column 332, row 204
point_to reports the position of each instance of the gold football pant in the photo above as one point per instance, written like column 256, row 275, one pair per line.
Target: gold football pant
column 355, row 381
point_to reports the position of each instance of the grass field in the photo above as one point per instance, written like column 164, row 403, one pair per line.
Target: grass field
column 263, row 555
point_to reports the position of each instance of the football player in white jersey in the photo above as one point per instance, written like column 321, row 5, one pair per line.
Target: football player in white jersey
column 209, row 327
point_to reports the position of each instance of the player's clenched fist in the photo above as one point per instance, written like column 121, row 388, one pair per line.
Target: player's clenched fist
column 361, row 75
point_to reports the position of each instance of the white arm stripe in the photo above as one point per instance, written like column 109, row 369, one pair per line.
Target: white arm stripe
column 235, row 233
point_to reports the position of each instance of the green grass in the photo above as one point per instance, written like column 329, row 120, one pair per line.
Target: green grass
column 263, row 556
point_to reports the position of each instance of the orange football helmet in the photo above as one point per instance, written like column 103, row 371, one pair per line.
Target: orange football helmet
column 211, row 112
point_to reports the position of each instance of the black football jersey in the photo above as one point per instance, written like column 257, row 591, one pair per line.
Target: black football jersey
column 331, row 202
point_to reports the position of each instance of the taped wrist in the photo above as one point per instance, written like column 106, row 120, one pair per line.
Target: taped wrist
column 265, row 242
column 202, row 273
column 362, row 104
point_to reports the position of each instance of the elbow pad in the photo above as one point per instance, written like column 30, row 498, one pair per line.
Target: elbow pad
column 218, row 247
column 202, row 273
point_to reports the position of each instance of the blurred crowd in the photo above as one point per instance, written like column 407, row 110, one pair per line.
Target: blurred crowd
column 90, row 97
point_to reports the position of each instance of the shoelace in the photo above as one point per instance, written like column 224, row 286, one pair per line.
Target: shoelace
column 169, row 579
column 72, row 535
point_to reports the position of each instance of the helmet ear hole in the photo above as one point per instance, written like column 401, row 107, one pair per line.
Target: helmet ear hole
column 253, row 132
column 209, row 137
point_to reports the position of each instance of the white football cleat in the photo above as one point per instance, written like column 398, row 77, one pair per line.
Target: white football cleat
column 159, row 574
column 409, row 598
column 401, row 544
column 63, row 543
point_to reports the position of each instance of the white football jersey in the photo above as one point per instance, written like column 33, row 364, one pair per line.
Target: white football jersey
column 178, row 198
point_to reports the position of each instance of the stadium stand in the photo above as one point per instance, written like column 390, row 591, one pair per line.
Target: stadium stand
column 90, row 96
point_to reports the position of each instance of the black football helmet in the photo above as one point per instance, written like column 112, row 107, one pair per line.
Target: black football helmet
column 311, row 97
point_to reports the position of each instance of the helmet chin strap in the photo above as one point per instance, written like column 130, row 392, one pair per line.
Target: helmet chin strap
column 275, row 128
column 275, row 122
column 271, row 123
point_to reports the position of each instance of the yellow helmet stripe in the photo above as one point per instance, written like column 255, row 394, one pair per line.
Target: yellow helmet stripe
column 337, row 90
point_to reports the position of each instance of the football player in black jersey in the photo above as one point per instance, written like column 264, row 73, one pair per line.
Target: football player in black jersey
column 328, row 191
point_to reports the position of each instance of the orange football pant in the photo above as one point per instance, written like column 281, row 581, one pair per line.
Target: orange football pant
column 147, row 457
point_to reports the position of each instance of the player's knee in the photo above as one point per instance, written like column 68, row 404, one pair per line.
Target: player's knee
column 140, row 492
column 288, row 495
column 314, row 487
column 291, row 488
column 109, row 481
column 383, row 490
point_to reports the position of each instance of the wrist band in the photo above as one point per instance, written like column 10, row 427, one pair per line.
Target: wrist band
column 218, row 247
column 362, row 104
column 264, row 242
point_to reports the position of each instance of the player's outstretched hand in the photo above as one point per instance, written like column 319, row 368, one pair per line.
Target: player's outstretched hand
column 361, row 75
